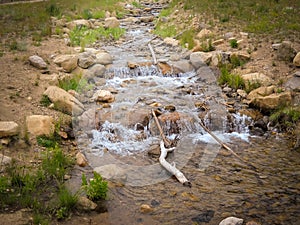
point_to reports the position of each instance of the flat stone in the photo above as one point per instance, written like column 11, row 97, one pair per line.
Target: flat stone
column 40, row 125
column 8, row 128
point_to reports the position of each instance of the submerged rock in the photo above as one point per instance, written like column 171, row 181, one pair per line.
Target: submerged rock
column 231, row 221
column 204, row 217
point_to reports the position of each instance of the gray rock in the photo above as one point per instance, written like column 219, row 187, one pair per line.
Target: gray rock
column 286, row 52
column 231, row 221
column 63, row 101
column 293, row 84
column 40, row 125
column 86, row 59
column 104, row 58
column 8, row 128
column 37, row 62
column 296, row 60
column 96, row 70
column 206, row 75
column 182, row 66
column 276, row 46
column 199, row 59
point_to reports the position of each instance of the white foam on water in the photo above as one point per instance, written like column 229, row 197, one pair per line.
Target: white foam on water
column 120, row 140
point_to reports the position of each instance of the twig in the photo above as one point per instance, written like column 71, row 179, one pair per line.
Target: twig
column 220, row 142
column 166, row 141
column 153, row 54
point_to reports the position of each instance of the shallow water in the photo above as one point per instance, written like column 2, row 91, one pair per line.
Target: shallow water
column 267, row 191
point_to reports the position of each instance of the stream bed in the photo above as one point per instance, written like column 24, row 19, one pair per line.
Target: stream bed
column 123, row 143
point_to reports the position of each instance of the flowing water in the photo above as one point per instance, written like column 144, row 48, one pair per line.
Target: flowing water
column 267, row 191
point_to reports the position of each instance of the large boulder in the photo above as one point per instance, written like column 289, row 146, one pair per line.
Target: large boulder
column 67, row 62
column 37, row 62
column 8, row 128
column 40, row 125
column 273, row 101
column 63, row 101
column 296, row 60
column 112, row 22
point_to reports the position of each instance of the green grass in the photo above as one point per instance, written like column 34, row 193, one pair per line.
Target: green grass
column 234, row 81
column 23, row 19
column 83, row 36
column 77, row 83
column 270, row 17
column 96, row 188
column 24, row 186
column 286, row 117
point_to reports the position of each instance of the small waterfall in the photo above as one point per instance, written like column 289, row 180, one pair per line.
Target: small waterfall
column 126, row 72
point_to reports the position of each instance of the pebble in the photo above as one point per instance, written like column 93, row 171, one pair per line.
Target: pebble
column 146, row 208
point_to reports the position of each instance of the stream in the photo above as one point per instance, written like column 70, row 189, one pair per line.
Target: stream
column 122, row 144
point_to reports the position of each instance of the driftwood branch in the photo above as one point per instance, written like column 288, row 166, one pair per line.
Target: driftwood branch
column 153, row 54
column 164, row 152
column 171, row 168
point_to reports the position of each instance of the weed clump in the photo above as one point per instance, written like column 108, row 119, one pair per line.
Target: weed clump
column 96, row 189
